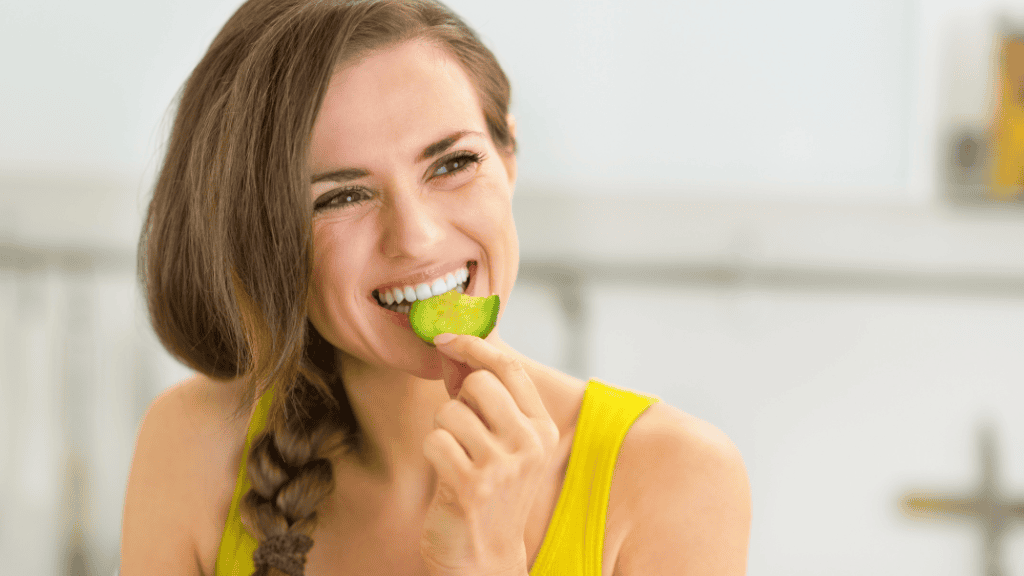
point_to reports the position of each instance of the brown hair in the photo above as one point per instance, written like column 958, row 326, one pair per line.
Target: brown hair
column 225, row 255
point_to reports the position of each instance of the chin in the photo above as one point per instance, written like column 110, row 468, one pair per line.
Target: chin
column 425, row 365
column 430, row 371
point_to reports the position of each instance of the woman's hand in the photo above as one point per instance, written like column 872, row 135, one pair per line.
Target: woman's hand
column 490, row 448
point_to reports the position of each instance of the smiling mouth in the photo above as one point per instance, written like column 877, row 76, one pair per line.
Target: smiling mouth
column 406, row 306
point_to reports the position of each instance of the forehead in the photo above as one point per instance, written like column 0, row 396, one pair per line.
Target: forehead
column 396, row 101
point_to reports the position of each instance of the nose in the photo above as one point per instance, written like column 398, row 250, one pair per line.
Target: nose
column 410, row 226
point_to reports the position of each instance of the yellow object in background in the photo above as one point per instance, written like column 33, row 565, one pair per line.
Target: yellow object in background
column 1008, row 143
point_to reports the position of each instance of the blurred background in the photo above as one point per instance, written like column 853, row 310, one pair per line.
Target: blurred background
column 798, row 220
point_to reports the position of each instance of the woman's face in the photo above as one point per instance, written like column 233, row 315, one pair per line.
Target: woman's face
column 425, row 191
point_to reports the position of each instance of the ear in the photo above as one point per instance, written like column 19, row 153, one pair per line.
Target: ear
column 510, row 161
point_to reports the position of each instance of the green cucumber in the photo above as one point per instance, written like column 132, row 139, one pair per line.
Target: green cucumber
column 454, row 313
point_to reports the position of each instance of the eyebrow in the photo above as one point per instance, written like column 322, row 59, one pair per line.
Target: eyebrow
column 439, row 147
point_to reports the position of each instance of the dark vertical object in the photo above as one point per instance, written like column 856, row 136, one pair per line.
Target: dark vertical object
column 76, row 559
column 77, row 385
column 570, row 291
column 992, row 510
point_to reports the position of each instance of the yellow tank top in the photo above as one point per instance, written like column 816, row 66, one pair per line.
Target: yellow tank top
column 574, row 541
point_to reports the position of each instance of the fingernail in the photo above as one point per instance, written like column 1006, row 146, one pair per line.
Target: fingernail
column 444, row 338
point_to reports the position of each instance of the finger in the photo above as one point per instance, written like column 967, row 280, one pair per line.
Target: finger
column 494, row 405
column 467, row 429
column 448, row 458
column 479, row 354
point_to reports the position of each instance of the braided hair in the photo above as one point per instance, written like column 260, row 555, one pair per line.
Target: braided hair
column 226, row 251
column 290, row 470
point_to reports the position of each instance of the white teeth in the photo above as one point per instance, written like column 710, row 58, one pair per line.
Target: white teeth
column 409, row 294
column 423, row 292
column 459, row 289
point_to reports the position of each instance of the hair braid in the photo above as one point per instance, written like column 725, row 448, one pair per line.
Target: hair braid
column 290, row 472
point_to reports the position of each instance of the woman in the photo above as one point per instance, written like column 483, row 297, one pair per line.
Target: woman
column 330, row 161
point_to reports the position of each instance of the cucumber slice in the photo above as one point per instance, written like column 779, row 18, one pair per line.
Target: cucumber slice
column 455, row 313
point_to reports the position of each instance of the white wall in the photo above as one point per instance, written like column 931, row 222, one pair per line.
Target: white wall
column 761, row 95
column 645, row 95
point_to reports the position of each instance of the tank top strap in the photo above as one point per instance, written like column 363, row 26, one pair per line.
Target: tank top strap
column 574, row 542
column 234, row 557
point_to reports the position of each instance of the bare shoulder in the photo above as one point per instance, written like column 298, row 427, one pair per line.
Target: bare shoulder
column 688, row 496
column 180, row 471
column 663, row 431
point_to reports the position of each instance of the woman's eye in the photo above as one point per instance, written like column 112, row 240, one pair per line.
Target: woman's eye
column 450, row 166
column 343, row 199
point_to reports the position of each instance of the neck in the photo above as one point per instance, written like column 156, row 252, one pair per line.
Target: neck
column 395, row 411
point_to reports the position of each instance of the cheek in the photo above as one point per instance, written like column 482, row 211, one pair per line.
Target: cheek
column 317, row 285
column 327, row 262
column 487, row 207
column 321, row 294
column 319, row 272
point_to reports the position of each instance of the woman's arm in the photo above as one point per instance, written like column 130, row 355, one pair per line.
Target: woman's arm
column 689, row 501
column 156, row 532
